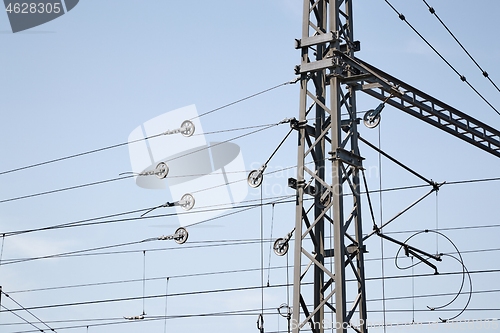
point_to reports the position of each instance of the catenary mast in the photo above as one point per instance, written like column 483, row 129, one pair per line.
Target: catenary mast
column 328, row 167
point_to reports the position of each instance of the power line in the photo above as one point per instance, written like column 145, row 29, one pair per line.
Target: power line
column 73, row 253
column 463, row 78
column 233, row 271
column 64, row 189
column 87, row 222
column 28, row 311
column 248, row 97
column 64, row 254
column 23, row 319
column 138, row 140
column 485, row 74
column 218, row 244
column 237, row 289
column 114, row 321
column 130, row 176
column 246, row 312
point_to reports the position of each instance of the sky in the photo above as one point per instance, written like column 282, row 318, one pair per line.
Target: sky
column 89, row 78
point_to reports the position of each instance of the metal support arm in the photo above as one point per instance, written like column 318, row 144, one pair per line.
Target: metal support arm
column 404, row 97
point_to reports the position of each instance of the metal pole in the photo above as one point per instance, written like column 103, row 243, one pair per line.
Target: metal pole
column 326, row 34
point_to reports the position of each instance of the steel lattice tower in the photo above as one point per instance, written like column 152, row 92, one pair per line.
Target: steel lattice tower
column 328, row 167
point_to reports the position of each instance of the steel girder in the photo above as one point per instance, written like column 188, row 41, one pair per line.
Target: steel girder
column 404, row 97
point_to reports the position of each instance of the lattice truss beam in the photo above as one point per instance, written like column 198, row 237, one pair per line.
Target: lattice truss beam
column 327, row 176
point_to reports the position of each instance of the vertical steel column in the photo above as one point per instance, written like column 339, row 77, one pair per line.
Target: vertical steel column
column 360, row 267
column 326, row 33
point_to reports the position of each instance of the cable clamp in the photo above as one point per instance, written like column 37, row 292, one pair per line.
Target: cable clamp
column 140, row 317
column 296, row 124
column 187, row 129
column 187, row 203
column 286, row 120
column 180, row 236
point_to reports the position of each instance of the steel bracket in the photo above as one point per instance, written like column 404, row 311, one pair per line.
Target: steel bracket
column 347, row 157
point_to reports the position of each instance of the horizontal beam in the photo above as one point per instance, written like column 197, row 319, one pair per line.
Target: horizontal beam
column 424, row 107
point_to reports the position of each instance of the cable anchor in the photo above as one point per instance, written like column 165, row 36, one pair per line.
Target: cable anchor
column 281, row 245
column 297, row 124
column 187, row 203
column 187, row 129
column 255, row 177
column 161, row 171
column 180, row 236
column 139, row 317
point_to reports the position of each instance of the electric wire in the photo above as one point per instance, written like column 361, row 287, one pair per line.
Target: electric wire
column 1, row 250
column 20, row 317
column 261, row 205
column 241, row 242
column 95, row 220
column 81, row 253
column 65, row 254
column 64, row 189
column 84, row 222
column 249, row 312
column 485, row 74
column 144, row 284
column 460, row 260
column 245, row 98
column 456, row 273
column 393, row 298
column 222, row 142
column 381, row 215
column 123, row 176
column 138, row 140
column 248, row 270
column 270, row 245
column 114, row 321
column 260, row 320
column 437, row 221
column 131, row 243
column 166, row 305
column 134, row 298
column 412, row 290
column 463, row 78
column 235, row 289
column 28, row 311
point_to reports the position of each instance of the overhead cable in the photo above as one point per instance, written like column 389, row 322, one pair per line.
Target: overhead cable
column 142, row 139
column 462, row 77
column 485, row 74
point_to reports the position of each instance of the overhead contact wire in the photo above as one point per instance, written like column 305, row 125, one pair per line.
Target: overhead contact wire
column 485, row 74
column 462, row 77
column 245, row 98
column 138, row 140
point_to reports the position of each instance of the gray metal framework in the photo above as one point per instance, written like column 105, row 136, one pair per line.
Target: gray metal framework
column 329, row 164
column 383, row 86
column 327, row 32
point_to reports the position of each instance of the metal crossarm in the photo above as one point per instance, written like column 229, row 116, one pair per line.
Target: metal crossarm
column 406, row 98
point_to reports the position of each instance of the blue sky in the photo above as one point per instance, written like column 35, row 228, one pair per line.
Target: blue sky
column 87, row 79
